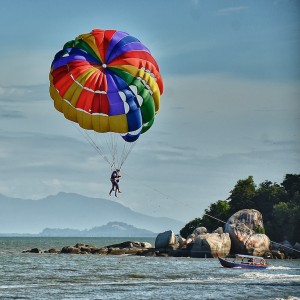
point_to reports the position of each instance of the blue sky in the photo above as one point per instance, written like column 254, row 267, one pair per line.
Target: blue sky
column 230, row 109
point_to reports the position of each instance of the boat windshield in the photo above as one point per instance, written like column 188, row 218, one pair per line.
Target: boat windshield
column 251, row 260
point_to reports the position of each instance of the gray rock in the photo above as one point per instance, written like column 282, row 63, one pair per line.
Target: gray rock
column 277, row 254
column 35, row 250
column 52, row 250
column 165, row 239
column 219, row 230
column 258, row 244
column 132, row 250
column 116, row 251
column 146, row 245
column 297, row 246
column 148, row 252
column 101, row 251
column 200, row 230
column 211, row 245
column 85, row 249
column 70, row 250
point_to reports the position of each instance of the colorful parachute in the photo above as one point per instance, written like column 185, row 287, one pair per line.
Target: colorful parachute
column 107, row 81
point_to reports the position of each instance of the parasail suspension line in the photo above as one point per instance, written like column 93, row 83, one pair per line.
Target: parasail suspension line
column 214, row 218
column 118, row 148
column 93, row 144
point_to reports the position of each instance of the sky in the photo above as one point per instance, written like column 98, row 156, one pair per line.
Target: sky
column 230, row 107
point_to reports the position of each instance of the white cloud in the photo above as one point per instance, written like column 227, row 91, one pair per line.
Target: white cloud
column 30, row 69
column 13, row 92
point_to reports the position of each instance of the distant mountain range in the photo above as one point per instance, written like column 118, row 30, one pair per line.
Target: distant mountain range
column 111, row 229
column 77, row 212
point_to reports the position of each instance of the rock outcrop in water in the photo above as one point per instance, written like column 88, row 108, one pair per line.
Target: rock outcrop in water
column 211, row 244
column 241, row 236
column 165, row 239
column 199, row 244
column 203, row 244
column 129, row 247
column 243, row 228
column 285, row 250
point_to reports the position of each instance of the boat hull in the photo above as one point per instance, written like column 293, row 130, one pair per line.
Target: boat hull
column 229, row 264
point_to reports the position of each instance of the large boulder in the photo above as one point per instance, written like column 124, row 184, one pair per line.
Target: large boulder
column 243, row 228
column 258, row 244
column 297, row 250
column 165, row 239
column 211, row 245
column 286, row 248
column 200, row 230
column 200, row 243
column 129, row 247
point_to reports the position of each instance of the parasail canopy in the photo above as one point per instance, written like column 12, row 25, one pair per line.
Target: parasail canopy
column 107, row 81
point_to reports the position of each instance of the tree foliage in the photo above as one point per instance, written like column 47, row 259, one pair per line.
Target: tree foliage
column 279, row 205
column 242, row 195
column 218, row 210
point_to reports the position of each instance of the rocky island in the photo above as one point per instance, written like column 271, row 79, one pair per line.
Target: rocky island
column 240, row 235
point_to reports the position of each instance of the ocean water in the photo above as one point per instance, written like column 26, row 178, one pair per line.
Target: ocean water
column 65, row 276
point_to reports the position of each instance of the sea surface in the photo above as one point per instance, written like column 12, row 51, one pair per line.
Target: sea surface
column 65, row 276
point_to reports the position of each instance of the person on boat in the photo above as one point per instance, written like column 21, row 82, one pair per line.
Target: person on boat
column 114, row 179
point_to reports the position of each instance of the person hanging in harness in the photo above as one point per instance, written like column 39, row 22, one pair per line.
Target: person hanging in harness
column 115, row 178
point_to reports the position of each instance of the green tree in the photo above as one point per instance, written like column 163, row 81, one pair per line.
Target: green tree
column 291, row 183
column 280, row 223
column 242, row 195
column 190, row 227
column 294, row 223
column 291, row 213
column 219, row 210
column 267, row 195
column 278, row 204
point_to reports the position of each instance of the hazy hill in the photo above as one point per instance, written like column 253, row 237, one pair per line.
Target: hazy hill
column 67, row 210
column 111, row 229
